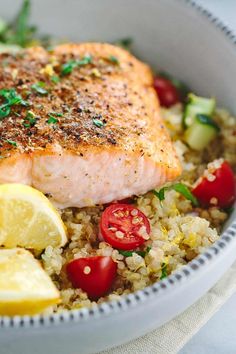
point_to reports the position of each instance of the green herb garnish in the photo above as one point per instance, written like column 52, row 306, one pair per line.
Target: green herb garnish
column 12, row 142
column 114, row 59
column 180, row 188
column 30, row 119
column 12, row 98
column 140, row 253
column 98, row 123
column 39, row 88
column 52, row 120
column 68, row 67
column 124, row 43
column 55, row 79
column 163, row 271
column 87, row 59
column 56, row 114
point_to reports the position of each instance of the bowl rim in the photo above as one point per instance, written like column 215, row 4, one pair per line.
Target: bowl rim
column 158, row 288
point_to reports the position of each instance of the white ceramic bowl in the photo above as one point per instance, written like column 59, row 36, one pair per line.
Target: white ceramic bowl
column 188, row 42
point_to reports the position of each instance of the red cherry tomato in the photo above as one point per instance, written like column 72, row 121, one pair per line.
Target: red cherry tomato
column 222, row 188
column 124, row 227
column 166, row 91
column 94, row 275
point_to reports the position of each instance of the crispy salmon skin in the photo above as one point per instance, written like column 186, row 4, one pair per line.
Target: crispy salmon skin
column 82, row 124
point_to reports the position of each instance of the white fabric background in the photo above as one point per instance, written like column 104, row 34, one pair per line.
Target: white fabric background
column 171, row 337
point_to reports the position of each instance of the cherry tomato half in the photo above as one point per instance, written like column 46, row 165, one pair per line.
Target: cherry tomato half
column 94, row 275
column 124, row 227
column 167, row 93
column 222, row 188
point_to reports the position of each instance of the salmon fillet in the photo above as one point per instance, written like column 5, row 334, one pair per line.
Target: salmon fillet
column 86, row 128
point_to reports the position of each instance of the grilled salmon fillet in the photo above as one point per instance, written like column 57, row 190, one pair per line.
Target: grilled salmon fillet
column 82, row 124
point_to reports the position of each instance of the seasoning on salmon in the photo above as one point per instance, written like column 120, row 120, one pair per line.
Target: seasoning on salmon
column 82, row 127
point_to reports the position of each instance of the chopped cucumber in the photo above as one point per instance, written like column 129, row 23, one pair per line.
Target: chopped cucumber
column 197, row 105
column 201, row 132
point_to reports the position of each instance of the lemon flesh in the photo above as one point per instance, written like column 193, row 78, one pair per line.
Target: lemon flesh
column 25, row 288
column 28, row 219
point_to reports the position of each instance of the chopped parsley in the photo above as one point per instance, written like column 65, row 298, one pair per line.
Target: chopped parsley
column 163, row 271
column 98, row 123
column 87, row 59
column 55, row 79
column 56, row 114
column 180, row 188
column 114, row 59
column 29, row 120
column 124, row 43
column 12, row 98
column 39, row 87
column 68, row 67
column 140, row 253
column 12, row 142
column 52, row 120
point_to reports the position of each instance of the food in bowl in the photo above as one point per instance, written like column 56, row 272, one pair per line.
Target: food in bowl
column 82, row 124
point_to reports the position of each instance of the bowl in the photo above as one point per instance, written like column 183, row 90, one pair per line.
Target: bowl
column 190, row 43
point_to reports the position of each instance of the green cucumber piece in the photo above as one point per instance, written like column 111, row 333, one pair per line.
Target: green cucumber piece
column 201, row 132
column 197, row 105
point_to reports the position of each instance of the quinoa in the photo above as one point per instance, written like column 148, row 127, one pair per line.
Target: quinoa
column 179, row 231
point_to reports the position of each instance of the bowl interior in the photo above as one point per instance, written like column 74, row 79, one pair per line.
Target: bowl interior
column 168, row 34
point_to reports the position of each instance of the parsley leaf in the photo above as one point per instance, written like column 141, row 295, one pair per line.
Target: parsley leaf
column 124, row 43
column 55, row 79
column 52, row 120
column 98, row 123
column 163, row 271
column 30, row 120
column 11, row 99
column 114, row 59
column 130, row 253
column 87, row 59
column 161, row 193
column 5, row 110
column 12, row 142
column 180, row 188
column 68, row 67
column 56, row 114
column 184, row 190
column 39, row 88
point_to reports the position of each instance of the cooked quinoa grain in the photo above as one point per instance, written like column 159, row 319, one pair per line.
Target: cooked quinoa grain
column 179, row 231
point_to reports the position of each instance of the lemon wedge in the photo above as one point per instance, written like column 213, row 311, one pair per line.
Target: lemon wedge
column 28, row 219
column 25, row 288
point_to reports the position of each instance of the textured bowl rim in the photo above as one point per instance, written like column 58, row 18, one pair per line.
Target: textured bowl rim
column 158, row 288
